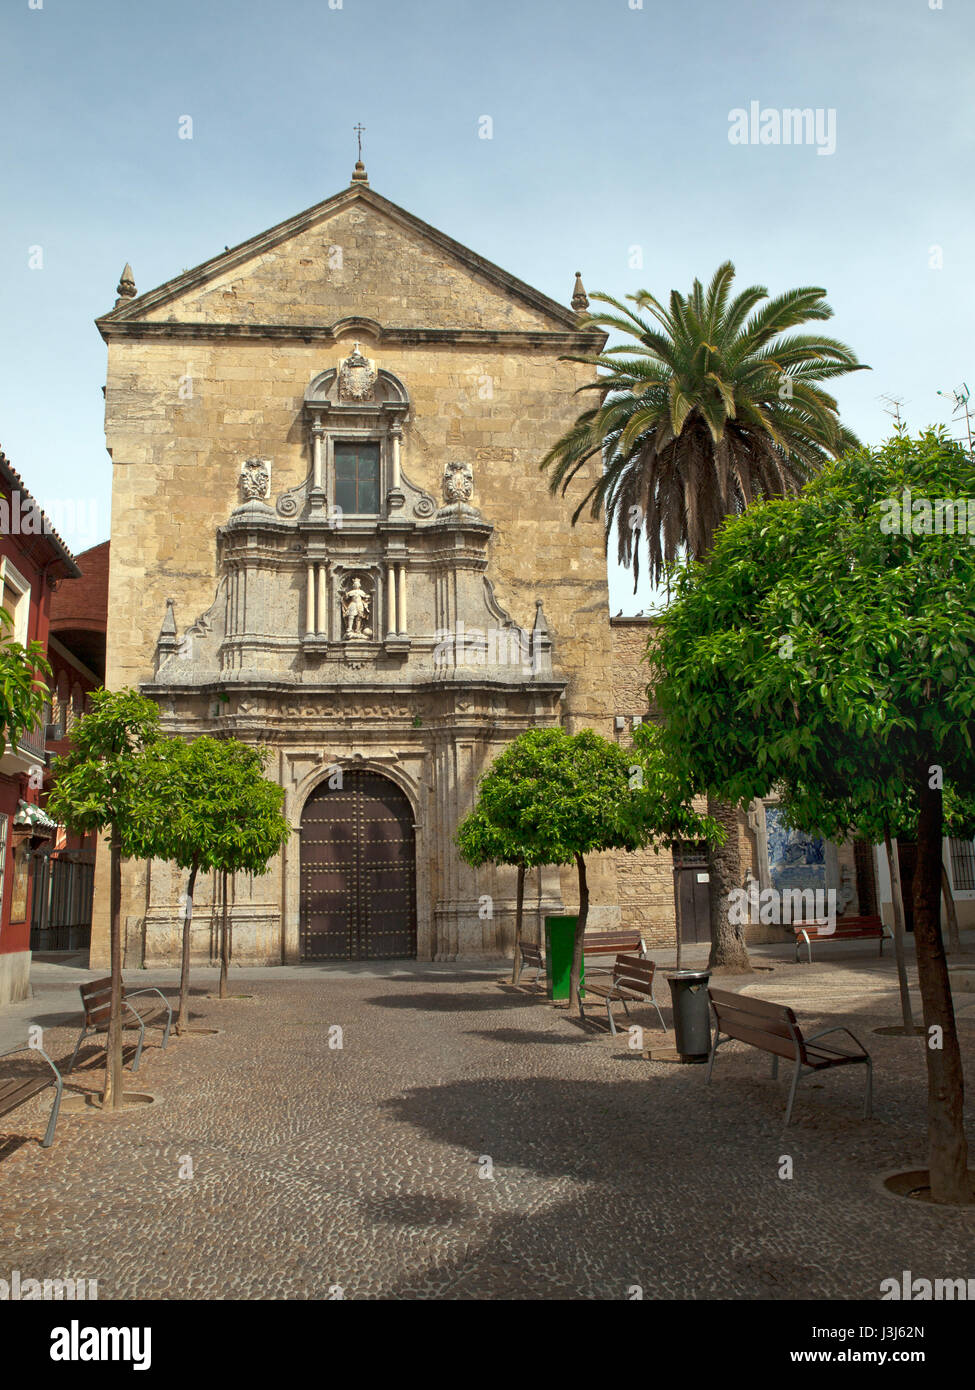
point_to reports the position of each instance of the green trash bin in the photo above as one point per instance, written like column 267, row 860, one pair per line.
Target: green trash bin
column 560, row 935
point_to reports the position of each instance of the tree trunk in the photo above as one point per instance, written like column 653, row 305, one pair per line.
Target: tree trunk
column 575, row 973
column 184, row 974
column 519, row 911
column 897, row 903
column 947, row 1145
column 224, row 942
column 728, row 951
column 112, row 1096
column 954, row 940
column 677, row 911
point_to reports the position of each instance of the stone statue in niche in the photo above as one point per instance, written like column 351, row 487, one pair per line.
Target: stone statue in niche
column 357, row 376
column 458, row 483
column 255, row 480
column 356, row 603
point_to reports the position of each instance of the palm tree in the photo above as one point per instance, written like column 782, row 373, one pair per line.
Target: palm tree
column 717, row 402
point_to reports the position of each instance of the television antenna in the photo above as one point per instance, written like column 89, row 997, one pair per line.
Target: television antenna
column 893, row 409
column 959, row 396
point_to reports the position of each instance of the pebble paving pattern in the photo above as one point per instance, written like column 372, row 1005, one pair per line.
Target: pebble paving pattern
column 468, row 1141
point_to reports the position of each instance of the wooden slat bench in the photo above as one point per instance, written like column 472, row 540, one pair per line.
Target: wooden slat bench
column 612, row 943
column 16, row 1088
column 531, row 959
column 844, row 929
column 773, row 1028
column 632, row 980
column 96, row 1000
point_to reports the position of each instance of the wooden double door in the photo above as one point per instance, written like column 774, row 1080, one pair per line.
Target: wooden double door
column 358, row 871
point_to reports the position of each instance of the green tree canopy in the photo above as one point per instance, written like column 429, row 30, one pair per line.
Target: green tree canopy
column 661, row 808
column 556, row 796
column 99, row 784
column 221, row 813
column 101, row 781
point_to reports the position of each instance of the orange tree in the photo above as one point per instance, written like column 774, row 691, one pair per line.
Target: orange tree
column 828, row 644
column 100, row 784
column 554, row 798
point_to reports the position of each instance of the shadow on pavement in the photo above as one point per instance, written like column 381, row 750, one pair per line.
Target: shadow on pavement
column 452, row 1003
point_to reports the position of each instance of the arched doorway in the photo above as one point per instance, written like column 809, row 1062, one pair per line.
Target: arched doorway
column 358, row 871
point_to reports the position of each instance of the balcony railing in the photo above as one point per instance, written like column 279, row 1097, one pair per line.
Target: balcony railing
column 31, row 742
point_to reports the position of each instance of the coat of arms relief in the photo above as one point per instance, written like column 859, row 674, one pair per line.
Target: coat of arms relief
column 255, row 480
column 357, row 376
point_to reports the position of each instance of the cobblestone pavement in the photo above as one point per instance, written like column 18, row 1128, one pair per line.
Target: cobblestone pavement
column 468, row 1141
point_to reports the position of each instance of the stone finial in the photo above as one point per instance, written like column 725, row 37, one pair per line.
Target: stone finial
column 168, row 642
column 359, row 174
column 580, row 300
column 125, row 289
column 541, row 643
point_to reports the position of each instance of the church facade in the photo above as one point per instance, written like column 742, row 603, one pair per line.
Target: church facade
column 330, row 536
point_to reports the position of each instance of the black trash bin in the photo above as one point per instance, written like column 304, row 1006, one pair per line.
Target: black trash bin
column 692, row 1013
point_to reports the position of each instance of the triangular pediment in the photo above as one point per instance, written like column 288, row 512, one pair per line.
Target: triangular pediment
column 355, row 256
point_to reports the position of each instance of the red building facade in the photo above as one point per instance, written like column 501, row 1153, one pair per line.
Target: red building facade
column 33, row 560
column 63, row 869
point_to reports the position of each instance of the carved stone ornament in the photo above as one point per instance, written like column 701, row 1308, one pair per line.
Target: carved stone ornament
column 357, row 377
column 255, row 480
column 356, row 605
column 458, row 483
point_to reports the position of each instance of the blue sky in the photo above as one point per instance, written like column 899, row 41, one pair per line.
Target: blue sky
column 610, row 132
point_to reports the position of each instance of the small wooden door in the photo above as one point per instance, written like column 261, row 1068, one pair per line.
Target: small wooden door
column 692, row 883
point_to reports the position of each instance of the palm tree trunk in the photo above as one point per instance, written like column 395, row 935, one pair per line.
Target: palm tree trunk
column 728, row 951
column 947, row 1144
column 184, row 974
column 897, row 902
column 519, row 912
column 112, row 1096
column 575, row 973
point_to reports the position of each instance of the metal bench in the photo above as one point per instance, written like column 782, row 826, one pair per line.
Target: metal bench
column 632, row 980
column 16, row 1089
column 612, row 943
column 96, row 1000
column 531, row 959
column 844, row 929
column 773, row 1028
